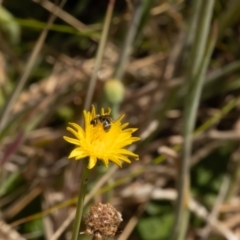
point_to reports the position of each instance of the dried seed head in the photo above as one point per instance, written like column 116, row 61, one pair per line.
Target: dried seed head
column 102, row 221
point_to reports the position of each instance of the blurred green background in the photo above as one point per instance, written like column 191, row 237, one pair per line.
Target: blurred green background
column 181, row 79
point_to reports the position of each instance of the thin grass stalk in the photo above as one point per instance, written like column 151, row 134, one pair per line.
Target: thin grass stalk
column 173, row 91
column 224, row 70
column 80, row 203
column 68, row 18
column 206, row 125
column 214, row 214
column 234, row 172
column 22, row 81
column 195, row 81
column 90, row 195
column 127, row 46
column 170, row 97
column 199, row 44
column 19, row 139
column 229, row 16
column 94, row 191
column 62, row 28
column 193, row 22
column 100, row 53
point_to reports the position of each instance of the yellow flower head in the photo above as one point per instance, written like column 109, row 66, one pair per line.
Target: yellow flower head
column 99, row 142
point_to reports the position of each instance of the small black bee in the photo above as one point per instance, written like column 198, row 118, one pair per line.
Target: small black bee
column 104, row 119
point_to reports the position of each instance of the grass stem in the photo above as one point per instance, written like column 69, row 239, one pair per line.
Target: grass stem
column 127, row 46
column 196, row 75
column 80, row 203
column 100, row 53
column 4, row 115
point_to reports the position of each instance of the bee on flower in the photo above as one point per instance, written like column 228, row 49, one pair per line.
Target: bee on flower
column 102, row 139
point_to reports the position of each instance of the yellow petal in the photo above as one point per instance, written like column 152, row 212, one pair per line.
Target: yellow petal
column 120, row 118
column 124, row 125
column 92, row 162
column 97, row 144
column 105, row 161
column 117, row 161
column 76, row 126
column 125, row 159
column 73, row 131
column 77, row 153
column 71, row 140
column 93, row 112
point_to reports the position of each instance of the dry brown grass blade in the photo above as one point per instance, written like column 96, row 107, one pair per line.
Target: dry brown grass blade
column 7, row 233
column 195, row 207
column 17, row 207
column 132, row 223
column 68, row 18
column 89, row 196
column 5, row 114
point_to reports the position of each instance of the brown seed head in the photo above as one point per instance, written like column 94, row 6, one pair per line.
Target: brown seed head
column 102, row 221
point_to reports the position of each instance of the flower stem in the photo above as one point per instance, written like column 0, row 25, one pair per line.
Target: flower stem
column 80, row 203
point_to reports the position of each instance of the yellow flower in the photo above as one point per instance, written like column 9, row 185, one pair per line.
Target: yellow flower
column 98, row 144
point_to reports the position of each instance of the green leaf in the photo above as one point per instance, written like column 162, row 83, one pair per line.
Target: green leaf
column 155, row 228
column 9, row 183
column 10, row 27
column 153, row 208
